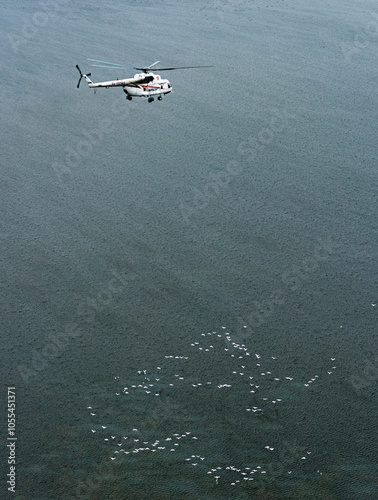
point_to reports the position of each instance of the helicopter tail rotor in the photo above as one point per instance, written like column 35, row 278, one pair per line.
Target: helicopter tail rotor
column 81, row 75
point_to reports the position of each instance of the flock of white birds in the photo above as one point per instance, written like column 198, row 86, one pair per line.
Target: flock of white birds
column 162, row 417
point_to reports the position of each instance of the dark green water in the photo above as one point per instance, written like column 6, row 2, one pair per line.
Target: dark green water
column 213, row 253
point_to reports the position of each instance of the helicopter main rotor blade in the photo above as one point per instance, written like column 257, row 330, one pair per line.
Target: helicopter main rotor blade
column 145, row 70
column 153, row 64
column 105, row 62
column 178, row 67
column 110, row 67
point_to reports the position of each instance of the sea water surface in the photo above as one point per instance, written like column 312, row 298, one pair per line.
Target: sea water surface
column 189, row 287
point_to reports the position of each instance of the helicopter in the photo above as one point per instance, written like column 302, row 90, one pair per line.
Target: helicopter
column 145, row 84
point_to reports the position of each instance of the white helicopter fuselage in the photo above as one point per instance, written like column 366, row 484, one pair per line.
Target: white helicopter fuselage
column 141, row 85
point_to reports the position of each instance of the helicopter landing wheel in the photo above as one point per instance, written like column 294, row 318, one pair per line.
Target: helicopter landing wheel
column 128, row 97
column 150, row 99
column 160, row 98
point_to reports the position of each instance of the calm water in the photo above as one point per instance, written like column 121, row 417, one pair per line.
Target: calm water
column 189, row 291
